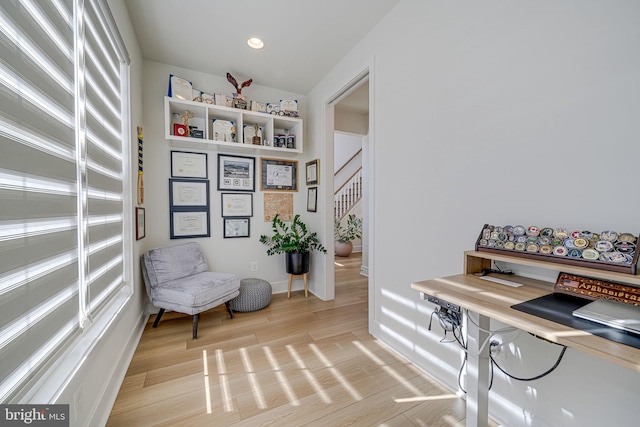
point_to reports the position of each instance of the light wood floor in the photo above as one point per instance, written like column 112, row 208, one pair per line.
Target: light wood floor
column 299, row 361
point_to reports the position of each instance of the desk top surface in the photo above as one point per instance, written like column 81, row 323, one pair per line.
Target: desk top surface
column 494, row 300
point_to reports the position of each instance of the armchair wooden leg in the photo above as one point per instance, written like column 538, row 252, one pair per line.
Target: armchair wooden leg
column 158, row 316
column 229, row 309
column 195, row 325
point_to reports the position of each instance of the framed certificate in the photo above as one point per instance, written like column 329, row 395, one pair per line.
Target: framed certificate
column 236, row 227
column 279, row 174
column 185, row 224
column 234, row 204
column 312, row 172
column 189, row 192
column 140, row 224
column 188, row 165
column 312, row 199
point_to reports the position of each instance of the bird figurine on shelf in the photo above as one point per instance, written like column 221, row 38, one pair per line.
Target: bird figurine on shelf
column 234, row 82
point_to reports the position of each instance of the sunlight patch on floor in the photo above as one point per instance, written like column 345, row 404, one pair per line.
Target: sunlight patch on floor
column 258, row 396
column 207, row 390
column 307, row 373
column 426, row 398
column 224, row 381
column 282, row 378
column 336, row 373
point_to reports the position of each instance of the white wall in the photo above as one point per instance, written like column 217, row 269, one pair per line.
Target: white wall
column 499, row 112
column 229, row 255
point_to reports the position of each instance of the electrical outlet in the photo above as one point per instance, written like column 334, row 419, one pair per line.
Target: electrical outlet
column 254, row 265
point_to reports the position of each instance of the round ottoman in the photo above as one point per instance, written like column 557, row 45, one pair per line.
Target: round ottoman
column 255, row 294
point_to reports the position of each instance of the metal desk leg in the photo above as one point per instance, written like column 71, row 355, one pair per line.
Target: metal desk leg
column 477, row 374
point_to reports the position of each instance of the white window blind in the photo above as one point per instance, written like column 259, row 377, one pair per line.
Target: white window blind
column 63, row 168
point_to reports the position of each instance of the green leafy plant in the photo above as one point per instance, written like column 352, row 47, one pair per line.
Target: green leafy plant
column 291, row 238
column 352, row 230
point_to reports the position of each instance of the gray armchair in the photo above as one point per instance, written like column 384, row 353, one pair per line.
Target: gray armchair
column 177, row 278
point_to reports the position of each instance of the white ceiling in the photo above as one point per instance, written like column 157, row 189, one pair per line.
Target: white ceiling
column 304, row 39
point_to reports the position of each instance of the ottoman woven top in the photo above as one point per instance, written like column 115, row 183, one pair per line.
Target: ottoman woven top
column 255, row 294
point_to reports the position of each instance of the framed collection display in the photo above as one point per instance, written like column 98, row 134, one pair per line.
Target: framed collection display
column 313, row 177
column 234, row 204
column 312, row 199
column 188, row 165
column 140, row 224
column 236, row 227
column 236, row 173
column 189, row 208
column 279, row 174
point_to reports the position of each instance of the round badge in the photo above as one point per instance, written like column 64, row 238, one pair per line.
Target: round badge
column 532, row 247
column 508, row 229
column 580, row 243
column 560, row 251
column 604, row 246
column 521, row 239
column 494, row 235
column 546, row 249
column 574, row 234
column 491, row 243
column 509, row 245
column 546, row 232
column 556, row 241
column 499, row 230
column 609, row 236
column 627, row 237
column 483, row 242
column 533, row 231
column 544, row 240
column 486, row 233
column 499, row 244
column 586, row 235
column 575, row 253
column 520, row 246
column 590, row 254
column 569, row 244
column 561, row 233
column 625, row 247
column 617, row 257
column 502, row 237
column 518, row 230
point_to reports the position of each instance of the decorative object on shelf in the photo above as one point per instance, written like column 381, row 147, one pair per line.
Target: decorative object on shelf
column 295, row 240
column 183, row 129
column 140, row 224
column 608, row 250
column 235, row 204
column 313, row 177
column 140, row 168
column 189, row 165
column 256, row 139
column 279, row 174
column 239, row 87
column 593, row 289
column 345, row 234
column 312, row 199
column 236, row 173
column 224, row 130
column 180, row 88
column 236, row 227
column 288, row 107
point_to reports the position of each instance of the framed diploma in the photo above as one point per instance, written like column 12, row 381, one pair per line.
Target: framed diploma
column 236, row 173
column 188, row 165
column 312, row 199
column 180, row 88
column 237, row 204
column 140, row 224
column 189, row 192
column 279, row 174
column 236, row 227
column 186, row 224
column 312, row 172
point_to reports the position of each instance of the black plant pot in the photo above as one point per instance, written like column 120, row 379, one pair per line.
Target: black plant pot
column 297, row 263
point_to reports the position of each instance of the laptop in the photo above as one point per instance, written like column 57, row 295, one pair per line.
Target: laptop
column 612, row 313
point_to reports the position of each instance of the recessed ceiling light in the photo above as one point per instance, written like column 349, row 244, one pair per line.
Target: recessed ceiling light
column 255, row 43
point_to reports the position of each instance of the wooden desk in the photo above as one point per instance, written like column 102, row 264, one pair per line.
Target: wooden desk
column 493, row 301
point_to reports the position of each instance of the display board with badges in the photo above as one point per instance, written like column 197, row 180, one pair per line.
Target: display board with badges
column 606, row 250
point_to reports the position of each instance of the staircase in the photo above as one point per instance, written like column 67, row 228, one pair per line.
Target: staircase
column 347, row 195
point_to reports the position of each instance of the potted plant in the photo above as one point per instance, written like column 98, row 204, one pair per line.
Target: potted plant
column 344, row 234
column 295, row 240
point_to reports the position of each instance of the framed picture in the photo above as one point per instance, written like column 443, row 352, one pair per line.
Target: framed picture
column 279, row 174
column 140, row 224
column 185, row 224
column 236, row 173
column 188, row 165
column 236, row 227
column 234, row 204
column 280, row 204
column 313, row 177
column 189, row 192
column 312, row 199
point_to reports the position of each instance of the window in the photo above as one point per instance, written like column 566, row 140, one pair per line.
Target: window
column 64, row 177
